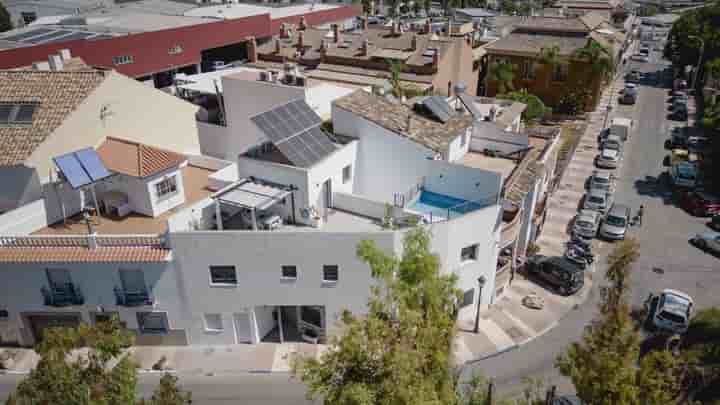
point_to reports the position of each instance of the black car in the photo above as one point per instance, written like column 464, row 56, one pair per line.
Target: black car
column 715, row 222
column 564, row 276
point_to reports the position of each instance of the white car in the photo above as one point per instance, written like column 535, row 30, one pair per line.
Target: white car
column 597, row 200
column 673, row 311
column 602, row 180
column 640, row 57
column 608, row 158
column 586, row 223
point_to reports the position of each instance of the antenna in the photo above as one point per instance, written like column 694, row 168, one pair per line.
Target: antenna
column 105, row 112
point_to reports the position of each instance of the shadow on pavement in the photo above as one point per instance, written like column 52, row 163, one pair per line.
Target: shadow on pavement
column 657, row 187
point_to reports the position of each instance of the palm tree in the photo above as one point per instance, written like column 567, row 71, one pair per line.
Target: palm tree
column 503, row 73
column 601, row 59
column 396, row 68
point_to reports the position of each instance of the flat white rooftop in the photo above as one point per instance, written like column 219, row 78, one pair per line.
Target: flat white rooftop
column 227, row 11
column 502, row 166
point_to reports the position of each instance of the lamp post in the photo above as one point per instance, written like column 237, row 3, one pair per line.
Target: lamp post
column 607, row 114
column 702, row 50
column 481, row 283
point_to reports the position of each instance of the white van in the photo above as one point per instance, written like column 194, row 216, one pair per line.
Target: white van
column 621, row 127
column 673, row 311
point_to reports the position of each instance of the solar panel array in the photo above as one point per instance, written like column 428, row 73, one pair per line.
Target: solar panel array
column 82, row 167
column 294, row 128
column 286, row 120
column 48, row 35
column 439, row 107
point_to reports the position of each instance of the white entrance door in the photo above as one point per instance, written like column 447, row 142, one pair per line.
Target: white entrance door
column 243, row 327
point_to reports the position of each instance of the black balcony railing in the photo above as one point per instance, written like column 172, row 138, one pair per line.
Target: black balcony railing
column 134, row 298
column 62, row 295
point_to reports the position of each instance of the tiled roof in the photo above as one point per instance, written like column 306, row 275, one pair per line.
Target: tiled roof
column 57, row 93
column 593, row 19
column 532, row 44
column 529, row 169
column 136, row 159
column 545, row 24
column 404, row 121
column 125, row 254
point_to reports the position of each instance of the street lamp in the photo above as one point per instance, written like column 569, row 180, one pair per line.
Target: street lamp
column 607, row 113
column 481, row 283
column 702, row 50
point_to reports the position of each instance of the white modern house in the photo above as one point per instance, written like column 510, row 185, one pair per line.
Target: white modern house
column 192, row 249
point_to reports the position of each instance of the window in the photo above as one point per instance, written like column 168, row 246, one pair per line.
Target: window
column 529, row 70
column 166, row 187
column 330, row 273
column 4, row 314
column 213, row 322
column 152, row 322
column 469, row 253
column 347, row 173
column 468, row 298
column 289, row 272
column 17, row 113
column 223, row 275
column 122, row 60
column 174, row 50
column 560, row 72
column 311, row 315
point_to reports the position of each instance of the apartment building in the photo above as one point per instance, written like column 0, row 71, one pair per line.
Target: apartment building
column 431, row 62
column 522, row 47
column 192, row 249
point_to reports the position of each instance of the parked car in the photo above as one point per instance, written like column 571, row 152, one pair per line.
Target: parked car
column 565, row 277
column 602, row 180
column 634, row 76
column 697, row 144
column 598, row 200
column 673, row 311
column 640, row 57
column 700, row 203
column 679, row 96
column 678, row 138
column 612, row 142
column 608, row 158
column 709, row 241
column 684, row 174
column 615, row 224
column 629, row 95
column 586, row 223
column 679, row 113
column 715, row 222
column 621, row 127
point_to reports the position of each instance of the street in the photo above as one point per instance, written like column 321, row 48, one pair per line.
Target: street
column 667, row 259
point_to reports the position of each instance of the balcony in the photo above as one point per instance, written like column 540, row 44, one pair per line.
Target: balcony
column 62, row 295
column 511, row 225
column 135, row 298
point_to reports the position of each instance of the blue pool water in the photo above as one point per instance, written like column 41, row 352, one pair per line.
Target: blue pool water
column 440, row 205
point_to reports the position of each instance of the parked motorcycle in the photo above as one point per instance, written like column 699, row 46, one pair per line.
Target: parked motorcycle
column 585, row 244
column 579, row 256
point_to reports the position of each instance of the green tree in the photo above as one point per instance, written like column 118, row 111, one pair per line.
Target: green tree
column 503, row 74
column 100, row 374
column 602, row 365
column 550, row 56
column 535, row 108
column 5, row 20
column 396, row 69
column 169, row 393
column 659, row 378
column 683, row 46
column 601, row 59
column 399, row 352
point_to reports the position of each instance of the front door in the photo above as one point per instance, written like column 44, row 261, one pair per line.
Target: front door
column 243, row 327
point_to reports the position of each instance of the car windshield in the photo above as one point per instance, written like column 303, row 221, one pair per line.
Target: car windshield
column 671, row 317
column 612, row 145
column 686, row 173
column 585, row 224
column 600, row 180
column 596, row 199
column 615, row 221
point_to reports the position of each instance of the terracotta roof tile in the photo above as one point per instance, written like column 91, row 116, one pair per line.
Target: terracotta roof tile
column 57, row 95
column 136, row 159
column 119, row 254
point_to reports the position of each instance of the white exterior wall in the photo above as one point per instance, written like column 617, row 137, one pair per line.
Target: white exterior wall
column 331, row 168
column 457, row 148
column 258, row 257
column 19, row 185
column 159, row 205
column 20, row 292
column 387, row 163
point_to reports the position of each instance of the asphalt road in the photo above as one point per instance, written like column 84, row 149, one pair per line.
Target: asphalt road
column 667, row 259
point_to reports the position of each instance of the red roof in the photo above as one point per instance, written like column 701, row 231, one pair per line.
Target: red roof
column 119, row 254
column 150, row 49
column 136, row 159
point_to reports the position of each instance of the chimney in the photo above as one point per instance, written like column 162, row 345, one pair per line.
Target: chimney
column 372, row 7
column 65, row 54
column 303, row 24
column 413, row 43
column 41, row 66
column 366, row 47
column 56, row 63
column 395, row 29
column 300, row 42
column 283, row 31
column 252, row 49
column 277, row 45
column 364, row 23
column 436, row 59
column 449, row 27
column 493, row 113
column 428, row 26
column 336, row 32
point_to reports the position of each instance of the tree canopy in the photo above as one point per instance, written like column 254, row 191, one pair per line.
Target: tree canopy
column 100, row 374
column 683, row 45
column 503, row 74
column 535, row 109
column 399, row 352
column 599, row 57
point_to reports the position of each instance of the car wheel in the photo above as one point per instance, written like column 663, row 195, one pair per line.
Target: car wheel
column 562, row 290
column 701, row 244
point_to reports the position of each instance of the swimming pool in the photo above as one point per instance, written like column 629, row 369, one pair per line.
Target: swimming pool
column 441, row 206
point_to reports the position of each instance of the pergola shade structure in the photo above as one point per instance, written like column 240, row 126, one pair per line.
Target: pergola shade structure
column 253, row 195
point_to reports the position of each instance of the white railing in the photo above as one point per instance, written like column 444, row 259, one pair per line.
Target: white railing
column 89, row 241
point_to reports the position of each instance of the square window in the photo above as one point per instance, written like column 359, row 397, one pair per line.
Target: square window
column 225, row 275
column 152, row 322
column 289, row 272
column 468, row 298
column 347, row 173
column 166, row 187
column 213, row 322
column 469, row 253
column 330, row 273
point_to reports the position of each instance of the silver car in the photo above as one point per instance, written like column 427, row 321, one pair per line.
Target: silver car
column 586, row 223
column 608, row 158
column 709, row 241
column 615, row 224
column 602, row 180
column 597, row 200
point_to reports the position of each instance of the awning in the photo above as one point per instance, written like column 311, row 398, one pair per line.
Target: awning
column 252, row 195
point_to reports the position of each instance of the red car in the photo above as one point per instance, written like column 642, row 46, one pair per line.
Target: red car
column 701, row 203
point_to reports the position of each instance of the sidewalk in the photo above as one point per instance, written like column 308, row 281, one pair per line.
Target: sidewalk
column 509, row 324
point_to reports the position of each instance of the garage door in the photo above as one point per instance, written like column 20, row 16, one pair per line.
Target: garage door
column 38, row 323
column 243, row 327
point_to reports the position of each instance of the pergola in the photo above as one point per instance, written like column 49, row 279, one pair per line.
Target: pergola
column 253, row 194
